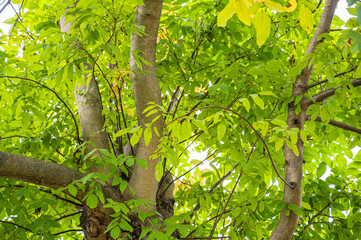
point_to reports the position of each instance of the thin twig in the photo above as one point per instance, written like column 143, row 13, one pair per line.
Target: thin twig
column 69, row 215
column 320, row 212
column 66, row 231
column 51, row 90
column 259, row 135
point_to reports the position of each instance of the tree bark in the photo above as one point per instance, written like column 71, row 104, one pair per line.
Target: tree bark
column 293, row 164
column 89, row 105
column 35, row 171
column 146, row 90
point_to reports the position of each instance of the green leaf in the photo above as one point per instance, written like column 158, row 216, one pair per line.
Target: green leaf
column 258, row 101
column 125, row 226
column 159, row 171
column 325, row 117
column 262, row 24
column 152, row 112
column 245, row 103
column 92, row 201
column 195, row 161
column 303, row 136
column 142, row 163
column 147, row 135
column 306, row 205
column 144, row 232
column 296, row 209
column 279, row 144
column 16, row 124
column 171, row 155
column 267, row 93
column 121, row 132
column 358, row 71
column 200, row 125
column 221, row 130
column 279, row 122
column 114, row 233
column 73, row 190
column 358, row 14
column 136, row 137
column 293, row 147
column 321, row 169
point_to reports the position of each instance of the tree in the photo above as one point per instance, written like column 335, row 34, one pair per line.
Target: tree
column 104, row 102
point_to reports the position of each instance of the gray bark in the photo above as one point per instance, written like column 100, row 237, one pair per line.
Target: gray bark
column 91, row 119
column 293, row 164
column 38, row 172
column 146, row 90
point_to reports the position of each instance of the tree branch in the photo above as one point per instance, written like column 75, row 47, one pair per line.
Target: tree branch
column 337, row 124
column 325, row 94
column 35, row 171
column 287, row 224
column 146, row 90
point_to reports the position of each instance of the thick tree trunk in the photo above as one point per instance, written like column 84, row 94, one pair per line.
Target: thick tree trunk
column 293, row 164
column 146, row 90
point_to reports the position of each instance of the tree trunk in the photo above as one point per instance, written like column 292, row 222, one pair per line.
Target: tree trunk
column 293, row 164
column 146, row 90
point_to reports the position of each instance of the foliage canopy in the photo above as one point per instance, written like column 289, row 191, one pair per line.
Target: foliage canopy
column 227, row 87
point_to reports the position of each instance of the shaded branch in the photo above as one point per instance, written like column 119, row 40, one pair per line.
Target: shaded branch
column 337, row 124
column 38, row 172
column 17, row 225
column 305, row 103
column 316, row 84
column 66, row 231
column 29, row 230
column 326, row 80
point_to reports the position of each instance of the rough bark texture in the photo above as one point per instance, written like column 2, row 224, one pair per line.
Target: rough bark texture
column 35, row 171
column 293, row 164
column 146, row 90
column 91, row 119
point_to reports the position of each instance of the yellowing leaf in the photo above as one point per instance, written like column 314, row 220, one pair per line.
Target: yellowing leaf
column 130, row 112
column 291, row 6
column 262, row 24
column 243, row 12
column 306, row 19
column 306, row 205
column 226, row 14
